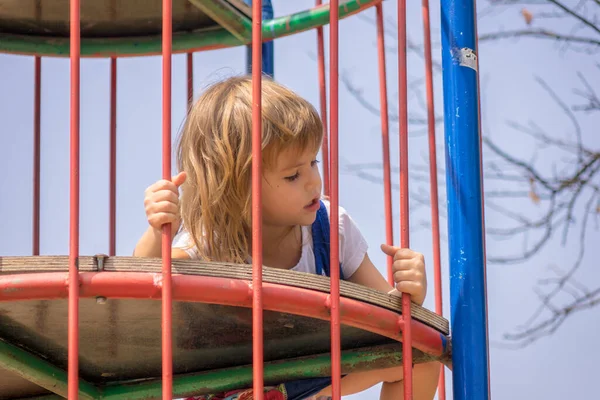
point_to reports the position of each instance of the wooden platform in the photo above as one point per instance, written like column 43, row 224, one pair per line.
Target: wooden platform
column 120, row 339
column 110, row 18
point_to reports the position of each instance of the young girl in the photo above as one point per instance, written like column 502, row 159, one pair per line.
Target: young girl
column 214, row 155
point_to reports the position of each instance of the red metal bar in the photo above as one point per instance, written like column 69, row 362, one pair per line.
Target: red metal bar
column 37, row 110
column 73, row 303
column 385, row 139
column 433, row 182
column 113, row 159
column 257, row 256
column 323, row 103
column 336, row 368
column 190, row 75
column 167, row 316
column 404, row 195
column 276, row 297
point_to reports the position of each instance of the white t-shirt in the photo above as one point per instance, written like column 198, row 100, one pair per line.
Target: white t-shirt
column 353, row 246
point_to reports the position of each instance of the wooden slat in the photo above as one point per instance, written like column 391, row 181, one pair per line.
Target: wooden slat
column 229, row 17
column 242, row 7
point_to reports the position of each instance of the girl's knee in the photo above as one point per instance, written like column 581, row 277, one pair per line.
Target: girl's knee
column 391, row 375
column 429, row 368
column 396, row 374
column 427, row 374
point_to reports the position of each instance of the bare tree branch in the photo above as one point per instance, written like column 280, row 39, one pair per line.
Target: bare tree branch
column 566, row 110
column 577, row 16
column 550, row 322
column 537, row 203
column 589, row 94
column 357, row 93
column 411, row 46
column 537, row 34
column 569, row 194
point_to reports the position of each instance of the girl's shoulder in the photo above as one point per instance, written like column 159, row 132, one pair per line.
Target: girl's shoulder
column 344, row 218
column 353, row 245
column 327, row 203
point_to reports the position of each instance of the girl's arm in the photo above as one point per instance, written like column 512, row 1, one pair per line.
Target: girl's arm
column 150, row 245
column 368, row 275
column 408, row 266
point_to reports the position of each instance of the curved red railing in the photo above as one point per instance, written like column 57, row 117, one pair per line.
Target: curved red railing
column 206, row 289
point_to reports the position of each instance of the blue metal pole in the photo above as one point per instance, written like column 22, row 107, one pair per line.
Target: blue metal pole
column 268, row 63
column 468, row 314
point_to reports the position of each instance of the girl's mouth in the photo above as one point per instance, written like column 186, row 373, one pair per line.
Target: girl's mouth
column 313, row 205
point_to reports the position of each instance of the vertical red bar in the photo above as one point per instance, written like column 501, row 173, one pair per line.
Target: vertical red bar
column 433, row 182
column 37, row 110
column 323, row 103
column 336, row 369
column 167, row 350
column 404, row 220
column 113, row 159
column 190, row 78
column 73, row 307
column 385, row 138
column 257, row 259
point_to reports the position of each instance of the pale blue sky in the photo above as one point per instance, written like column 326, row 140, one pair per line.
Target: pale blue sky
column 551, row 368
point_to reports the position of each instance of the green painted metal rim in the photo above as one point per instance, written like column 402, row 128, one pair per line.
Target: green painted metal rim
column 41, row 372
column 182, row 42
column 239, row 377
column 52, row 378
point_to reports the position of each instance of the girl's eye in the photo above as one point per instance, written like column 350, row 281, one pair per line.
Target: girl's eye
column 314, row 162
column 293, row 177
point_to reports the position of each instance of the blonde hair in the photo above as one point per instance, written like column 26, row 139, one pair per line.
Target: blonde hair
column 215, row 150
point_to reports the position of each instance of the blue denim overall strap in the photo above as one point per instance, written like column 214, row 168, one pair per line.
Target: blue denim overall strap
column 320, row 237
column 303, row 388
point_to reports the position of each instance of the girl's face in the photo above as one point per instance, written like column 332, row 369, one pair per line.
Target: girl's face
column 291, row 189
